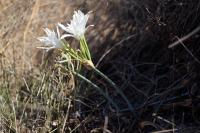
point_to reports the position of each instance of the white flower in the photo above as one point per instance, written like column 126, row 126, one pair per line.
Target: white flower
column 52, row 40
column 77, row 26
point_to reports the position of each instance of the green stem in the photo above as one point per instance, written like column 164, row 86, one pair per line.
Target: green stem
column 115, row 87
column 83, row 49
column 86, row 48
column 98, row 88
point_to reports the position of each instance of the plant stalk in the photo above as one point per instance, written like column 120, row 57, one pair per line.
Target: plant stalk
column 99, row 89
column 115, row 87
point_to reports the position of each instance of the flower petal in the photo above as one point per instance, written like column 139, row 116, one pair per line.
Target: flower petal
column 62, row 26
column 66, row 35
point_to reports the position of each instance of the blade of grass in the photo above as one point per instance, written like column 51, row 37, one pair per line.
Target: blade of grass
column 115, row 87
column 99, row 89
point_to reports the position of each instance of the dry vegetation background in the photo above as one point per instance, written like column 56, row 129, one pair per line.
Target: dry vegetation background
column 156, row 79
column 22, row 22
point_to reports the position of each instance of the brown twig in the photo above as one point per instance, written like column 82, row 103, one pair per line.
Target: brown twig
column 117, row 44
column 185, row 37
column 34, row 12
column 105, row 124
column 166, row 131
column 195, row 58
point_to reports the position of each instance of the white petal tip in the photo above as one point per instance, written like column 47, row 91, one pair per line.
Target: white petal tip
column 90, row 12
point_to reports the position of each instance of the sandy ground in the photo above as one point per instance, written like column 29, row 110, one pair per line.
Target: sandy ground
column 21, row 22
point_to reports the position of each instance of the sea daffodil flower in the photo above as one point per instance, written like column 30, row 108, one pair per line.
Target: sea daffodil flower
column 77, row 26
column 77, row 29
column 52, row 40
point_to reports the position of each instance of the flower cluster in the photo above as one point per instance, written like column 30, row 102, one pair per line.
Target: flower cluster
column 76, row 29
